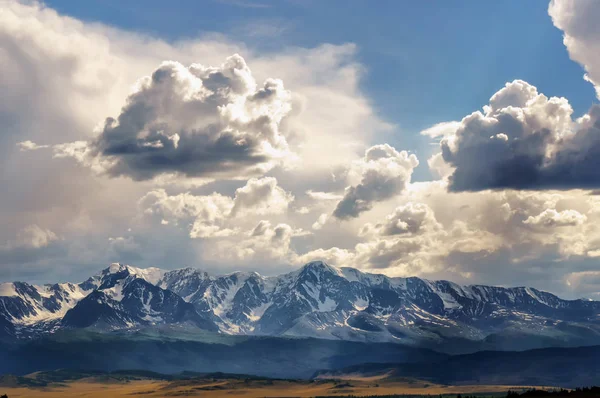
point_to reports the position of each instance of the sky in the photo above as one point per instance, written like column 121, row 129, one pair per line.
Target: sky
column 443, row 140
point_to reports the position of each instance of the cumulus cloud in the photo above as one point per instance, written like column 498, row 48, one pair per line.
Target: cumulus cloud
column 58, row 97
column 198, row 121
column 206, row 213
column 550, row 218
column 261, row 196
column 578, row 19
column 320, row 221
column 524, row 140
column 410, row 218
column 215, row 215
column 34, row 236
column 195, row 124
column 334, row 255
column 382, row 173
column 477, row 237
column 265, row 241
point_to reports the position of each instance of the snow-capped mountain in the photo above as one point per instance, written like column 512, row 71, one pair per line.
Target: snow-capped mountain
column 119, row 297
column 317, row 300
column 26, row 308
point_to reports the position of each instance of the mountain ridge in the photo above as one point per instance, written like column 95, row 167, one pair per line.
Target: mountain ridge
column 317, row 300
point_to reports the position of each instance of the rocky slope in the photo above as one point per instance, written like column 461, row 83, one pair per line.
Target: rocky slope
column 317, row 300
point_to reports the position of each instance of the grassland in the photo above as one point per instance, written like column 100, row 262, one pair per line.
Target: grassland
column 109, row 386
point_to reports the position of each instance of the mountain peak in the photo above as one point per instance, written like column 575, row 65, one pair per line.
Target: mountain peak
column 151, row 274
column 320, row 267
column 114, row 268
column 316, row 300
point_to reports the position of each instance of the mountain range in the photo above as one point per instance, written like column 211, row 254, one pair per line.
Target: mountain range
column 316, row 301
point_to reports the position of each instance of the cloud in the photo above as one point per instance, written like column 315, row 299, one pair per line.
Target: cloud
column 216, row 215
column 441, row 129
column 524, row 140
column 125, row 247
column 320, row 221
column 578, row 19
column 550, row 218
column 334, row 256
column 206, row 214
column 586, row 282
column 507, row 237
column 30, row 146
column 325, row 83
column 410, row 218
column 316, row 195
column 32, row 244
column 217, row 208
column 196, row 121
column 261, row 196
column 263, row 242
column 381, row 174
column 57, row 98
column 35, row 237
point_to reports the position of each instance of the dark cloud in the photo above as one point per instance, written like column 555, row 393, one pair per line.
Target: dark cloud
column 524, row 140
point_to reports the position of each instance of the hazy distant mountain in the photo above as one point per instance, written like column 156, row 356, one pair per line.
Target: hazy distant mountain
column 173, row 349
column 317, row 300
column 565, row 367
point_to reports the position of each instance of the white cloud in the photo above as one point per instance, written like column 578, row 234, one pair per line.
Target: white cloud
column 263, row 242
column 334, row 255
column 550, row 218
column 216, row 215
column 410, row 218
column 381, row 174
column 441, row 129
column 316, row 195
column 578, row 19
column 303, row 210
column 197, row 121
column 483, row 237
column 261, row 196
column 30, row 146
column 34, row 236
column 191, row 214
column 320, row 221
column 183, row 206
column 59, row 96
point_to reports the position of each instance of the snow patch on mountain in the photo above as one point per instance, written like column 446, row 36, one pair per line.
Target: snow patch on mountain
column 7, row 290
column 256, row 313
column 317, row 300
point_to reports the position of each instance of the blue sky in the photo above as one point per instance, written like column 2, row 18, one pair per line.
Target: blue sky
column 426, row 62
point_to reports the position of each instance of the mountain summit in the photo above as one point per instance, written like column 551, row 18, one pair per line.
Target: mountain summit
column 317, row 300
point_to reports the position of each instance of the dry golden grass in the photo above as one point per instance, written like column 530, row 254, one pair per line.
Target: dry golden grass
column 92, row 388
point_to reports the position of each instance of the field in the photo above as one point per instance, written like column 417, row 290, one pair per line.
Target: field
column 109, row 386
